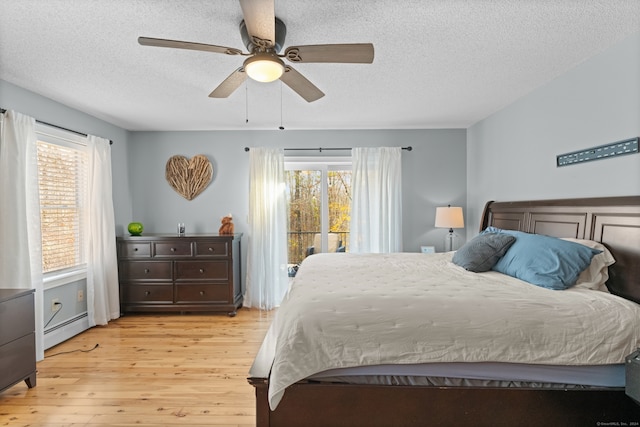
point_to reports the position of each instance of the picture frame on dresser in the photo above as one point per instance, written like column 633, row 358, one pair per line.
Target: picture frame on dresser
column 169, row 273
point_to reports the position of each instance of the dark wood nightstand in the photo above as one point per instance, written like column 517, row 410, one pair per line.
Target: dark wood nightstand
column 17, row 338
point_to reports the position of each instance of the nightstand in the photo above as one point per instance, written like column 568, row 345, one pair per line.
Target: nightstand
column 17, row 338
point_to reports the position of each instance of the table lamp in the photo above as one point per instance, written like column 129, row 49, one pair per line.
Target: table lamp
column 449, row 217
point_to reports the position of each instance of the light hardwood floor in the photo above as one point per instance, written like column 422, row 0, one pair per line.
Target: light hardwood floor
column 148, row 370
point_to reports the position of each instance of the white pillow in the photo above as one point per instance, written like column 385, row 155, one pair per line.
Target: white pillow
column 596, row 275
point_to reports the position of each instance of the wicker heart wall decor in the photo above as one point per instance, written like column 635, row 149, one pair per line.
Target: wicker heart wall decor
column 189, row 177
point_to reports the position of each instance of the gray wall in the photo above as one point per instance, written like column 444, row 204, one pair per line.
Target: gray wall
column 595, row 103
column 434, row 173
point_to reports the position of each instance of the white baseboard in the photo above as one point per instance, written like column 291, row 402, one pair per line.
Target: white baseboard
column 65, row 330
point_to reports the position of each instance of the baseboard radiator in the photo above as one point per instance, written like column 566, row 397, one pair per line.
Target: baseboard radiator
column 65, row 330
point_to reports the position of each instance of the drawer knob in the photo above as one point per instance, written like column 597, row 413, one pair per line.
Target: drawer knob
column 135, row 249
column 173, row 249
column 211, row 250
column 202, row 270
column 146, row 270
column 201, row 293
column 147, row 293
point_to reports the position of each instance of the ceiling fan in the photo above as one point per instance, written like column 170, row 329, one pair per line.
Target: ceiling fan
column 263, row 34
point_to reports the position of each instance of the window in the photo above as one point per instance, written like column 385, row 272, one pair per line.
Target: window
column 62, row 170
column 319, row 201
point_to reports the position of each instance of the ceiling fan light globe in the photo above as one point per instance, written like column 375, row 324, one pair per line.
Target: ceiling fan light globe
column 264, row 69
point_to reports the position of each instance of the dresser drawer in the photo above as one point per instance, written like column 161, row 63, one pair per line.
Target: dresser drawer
column 216, row 249
column 202, row 270
column 17, row 359
column 145, row 270
column 133, row 250
column 202, row 293
column 17, row 318
column 173, row 249
column 148, row 293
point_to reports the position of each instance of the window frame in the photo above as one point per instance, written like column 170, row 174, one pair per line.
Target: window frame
column 324, row 164
column 68, row 139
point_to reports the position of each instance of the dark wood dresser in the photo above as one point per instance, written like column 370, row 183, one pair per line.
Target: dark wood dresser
column 17, row 338
column 162, row 272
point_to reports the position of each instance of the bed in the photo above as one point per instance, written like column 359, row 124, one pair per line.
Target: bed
column 348, row 349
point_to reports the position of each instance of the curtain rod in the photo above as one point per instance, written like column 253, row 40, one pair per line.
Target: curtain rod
column 320, row 149
column 2, row 111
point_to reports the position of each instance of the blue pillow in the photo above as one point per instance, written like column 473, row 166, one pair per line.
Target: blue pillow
column 542, row 260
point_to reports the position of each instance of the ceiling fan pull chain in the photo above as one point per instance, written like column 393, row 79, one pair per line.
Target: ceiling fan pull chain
column 281, row 127
column 246, row 102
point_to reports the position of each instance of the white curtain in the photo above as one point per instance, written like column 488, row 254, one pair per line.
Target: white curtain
column 376, row 207
column 267, row 279
column 102, row 266
column 20, row 241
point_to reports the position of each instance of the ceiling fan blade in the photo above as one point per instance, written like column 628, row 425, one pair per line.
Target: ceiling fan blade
column 230, row 84
column 177, row 44
column 354, row 53
column 300, row 84
column 259, row 17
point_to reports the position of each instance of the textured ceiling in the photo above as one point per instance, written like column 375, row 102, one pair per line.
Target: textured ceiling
column 438, row 63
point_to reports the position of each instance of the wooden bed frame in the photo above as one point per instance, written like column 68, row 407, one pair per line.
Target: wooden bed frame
column 614, row 221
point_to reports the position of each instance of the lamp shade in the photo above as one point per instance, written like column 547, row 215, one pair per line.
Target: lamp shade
column 449, row 217
column 264, row 67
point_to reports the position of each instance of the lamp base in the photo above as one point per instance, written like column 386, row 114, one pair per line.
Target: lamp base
column 450, row 241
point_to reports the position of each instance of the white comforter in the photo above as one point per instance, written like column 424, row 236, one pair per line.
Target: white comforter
column 346, row 310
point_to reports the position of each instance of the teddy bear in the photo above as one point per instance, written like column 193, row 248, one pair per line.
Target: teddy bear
column 227, row 225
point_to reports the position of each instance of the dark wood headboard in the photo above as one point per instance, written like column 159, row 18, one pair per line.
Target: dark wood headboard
column 613, row 221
